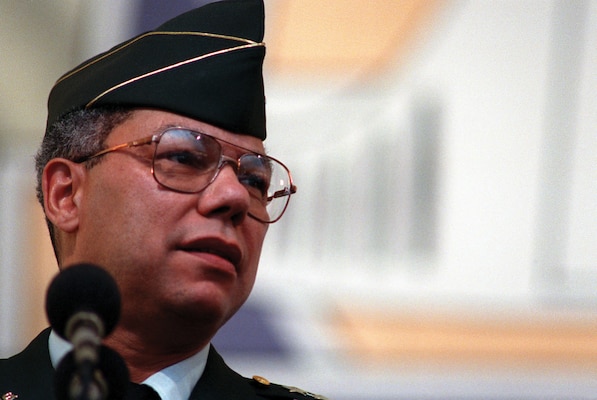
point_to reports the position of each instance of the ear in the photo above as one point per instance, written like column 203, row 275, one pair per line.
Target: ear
column 62, row 184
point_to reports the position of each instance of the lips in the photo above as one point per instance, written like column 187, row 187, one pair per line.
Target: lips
column 218, row 247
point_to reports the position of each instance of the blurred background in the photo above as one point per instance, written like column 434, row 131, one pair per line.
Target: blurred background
column 443, row 240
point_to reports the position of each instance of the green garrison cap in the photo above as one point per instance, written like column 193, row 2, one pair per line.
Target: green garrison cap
column 205, row 64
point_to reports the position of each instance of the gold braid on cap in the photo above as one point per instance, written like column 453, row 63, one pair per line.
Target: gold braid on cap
column 249, row 43
column 172, row 66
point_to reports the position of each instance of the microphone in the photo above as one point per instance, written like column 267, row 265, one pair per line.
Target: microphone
column 83, row 306
column 111, row 383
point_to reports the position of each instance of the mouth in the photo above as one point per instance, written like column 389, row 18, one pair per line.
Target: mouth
column 215, row 247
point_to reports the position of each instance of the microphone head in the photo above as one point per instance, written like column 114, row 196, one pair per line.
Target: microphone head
column 82, row 287
column 114, row 375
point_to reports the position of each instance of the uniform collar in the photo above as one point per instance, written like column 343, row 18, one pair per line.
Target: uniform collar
column 172, row 383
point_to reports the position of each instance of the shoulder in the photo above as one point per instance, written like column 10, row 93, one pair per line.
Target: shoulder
column 29, row 373
column 220, row 381
column 268, row 390
column 35, row 355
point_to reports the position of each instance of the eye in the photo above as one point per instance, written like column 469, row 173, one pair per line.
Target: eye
column 255, row 174
column 185, row 158
column 256, row 184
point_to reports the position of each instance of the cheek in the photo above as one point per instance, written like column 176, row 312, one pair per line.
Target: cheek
column 255, row 237
column 134, row 198
column 119, row 216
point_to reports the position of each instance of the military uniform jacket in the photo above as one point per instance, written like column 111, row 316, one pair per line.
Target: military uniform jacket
column 29, row 375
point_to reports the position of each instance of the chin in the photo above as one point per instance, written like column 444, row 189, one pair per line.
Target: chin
column 214, row 306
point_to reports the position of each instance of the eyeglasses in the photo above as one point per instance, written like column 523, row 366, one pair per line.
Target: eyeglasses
column 187, row 161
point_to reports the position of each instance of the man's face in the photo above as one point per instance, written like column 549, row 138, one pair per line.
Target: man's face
column 176, row 257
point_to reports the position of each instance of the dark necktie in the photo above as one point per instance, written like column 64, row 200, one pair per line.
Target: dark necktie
column 141, row 392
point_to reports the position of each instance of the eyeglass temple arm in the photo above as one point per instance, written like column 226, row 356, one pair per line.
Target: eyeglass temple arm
column 134, row 143
column 282, row 193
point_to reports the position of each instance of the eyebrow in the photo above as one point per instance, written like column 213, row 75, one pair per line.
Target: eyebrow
column 225, row 143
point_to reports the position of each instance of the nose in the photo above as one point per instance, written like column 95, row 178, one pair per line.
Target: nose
column 225, row 197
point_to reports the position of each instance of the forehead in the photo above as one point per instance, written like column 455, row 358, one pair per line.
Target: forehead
column 146, row 122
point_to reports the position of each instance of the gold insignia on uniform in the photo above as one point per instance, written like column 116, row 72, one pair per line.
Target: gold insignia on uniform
column 9, row 396
column 261, row 380
column 293, row 389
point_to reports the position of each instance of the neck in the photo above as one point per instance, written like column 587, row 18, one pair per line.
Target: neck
column 145, row 356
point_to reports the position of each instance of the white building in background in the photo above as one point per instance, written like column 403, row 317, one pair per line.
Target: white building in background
column 461, row 183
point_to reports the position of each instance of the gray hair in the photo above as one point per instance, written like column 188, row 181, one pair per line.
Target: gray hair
column 75, row 135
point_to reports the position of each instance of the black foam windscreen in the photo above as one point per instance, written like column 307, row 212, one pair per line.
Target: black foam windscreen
column 83, row 287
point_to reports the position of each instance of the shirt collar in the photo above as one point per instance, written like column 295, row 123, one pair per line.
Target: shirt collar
column 172, row 383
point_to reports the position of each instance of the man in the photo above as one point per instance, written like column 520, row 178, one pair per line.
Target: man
column 153, row 167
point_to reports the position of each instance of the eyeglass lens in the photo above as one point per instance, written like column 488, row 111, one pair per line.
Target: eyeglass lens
column 188, row 161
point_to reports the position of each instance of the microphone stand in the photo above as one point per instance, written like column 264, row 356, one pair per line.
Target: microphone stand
column 85, row 330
